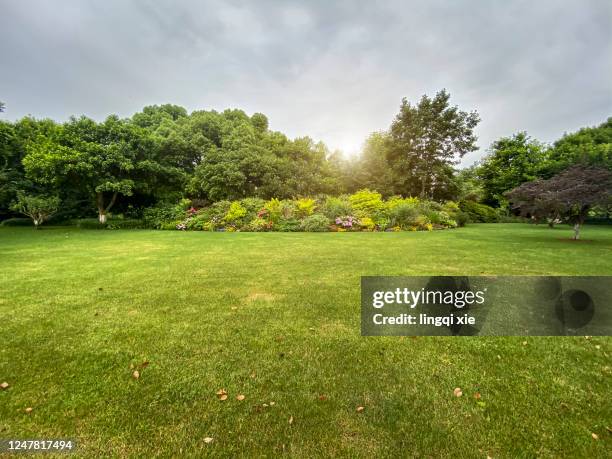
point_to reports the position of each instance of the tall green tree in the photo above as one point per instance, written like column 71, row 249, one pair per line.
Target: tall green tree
column 426, row 138
column 588, row 146
column 372, row 169
column 110, row 159
column 510, row 162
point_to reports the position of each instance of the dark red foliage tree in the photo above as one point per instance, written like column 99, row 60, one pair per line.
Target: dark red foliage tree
column 568, row 195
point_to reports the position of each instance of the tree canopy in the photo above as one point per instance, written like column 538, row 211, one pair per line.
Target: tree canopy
column 568, row 195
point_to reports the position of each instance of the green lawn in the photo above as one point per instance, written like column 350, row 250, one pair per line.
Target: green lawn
column 276, row 317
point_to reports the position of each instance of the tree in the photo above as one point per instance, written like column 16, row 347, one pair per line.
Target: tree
column 38, row 208
column 511, row 161
column 468, row 184
column 426, row 139
column 568, row 195
column 110, row 159
column 372, row 169
column 591, row 146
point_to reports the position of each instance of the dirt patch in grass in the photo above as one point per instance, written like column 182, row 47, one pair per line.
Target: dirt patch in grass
column 260, row 296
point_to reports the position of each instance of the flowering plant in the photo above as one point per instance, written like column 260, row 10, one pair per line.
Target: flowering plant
column 345, row 222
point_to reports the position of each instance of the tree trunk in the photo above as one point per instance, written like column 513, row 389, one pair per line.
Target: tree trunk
column 576, row 231
column 103, row 210
column 423, row 187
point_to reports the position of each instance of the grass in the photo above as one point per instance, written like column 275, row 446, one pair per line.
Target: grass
column 276, row 317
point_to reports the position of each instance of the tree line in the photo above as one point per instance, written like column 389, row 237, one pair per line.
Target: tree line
column 163, row 154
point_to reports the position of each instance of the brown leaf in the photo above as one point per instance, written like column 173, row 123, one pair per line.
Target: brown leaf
column 136, row 374
column 322, row 397
column 477, row 396
column 595, row 436
column 291, row 420
column 457, row 392
column 28, row 410
column 240, row 397
column 360, row 409
column 223, row 397
column 4, row 385
column 208, row 440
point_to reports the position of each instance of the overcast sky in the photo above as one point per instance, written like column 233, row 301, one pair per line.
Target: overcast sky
column 335, row 71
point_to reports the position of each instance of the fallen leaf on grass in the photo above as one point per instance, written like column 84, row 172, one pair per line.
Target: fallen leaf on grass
column 223, row 397
column 457, row 392
column 360, row 409
column 595, row 436
column 29, row 410
column 208, row 440
column 524, row 343
column 291, row 420
column 477, row 396
column 240, row 397
column 4, row 386
column 272, row 403
column 222, row 394
column 322, row 397
column 136, row 374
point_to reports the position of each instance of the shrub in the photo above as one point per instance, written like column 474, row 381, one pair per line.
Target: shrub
column 403, row 215
column 288, row 225
column 257, row 225
column 288, row 209
column 235, row 214
column 462, row 219
column 164, row 213
column 479, row 212
column 305, row 207
column 90, row 223
column 345, row 223
column 367, row 224
column 395, row 201
column 422, row 222
column 252, row 206
column 273, row 210
column 336, row 206
column 125, row 223
column 451, row 208
column 366, row 203
column 315, row 223
column 17, row 222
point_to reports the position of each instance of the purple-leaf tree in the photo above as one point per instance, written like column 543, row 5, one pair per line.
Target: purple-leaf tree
column 568, row 195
